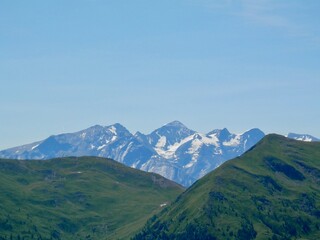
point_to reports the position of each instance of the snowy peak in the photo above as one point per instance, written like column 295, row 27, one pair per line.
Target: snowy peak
column 176, row 124
column 99, row 135
column 118, row 130
column 252, row 136
column 173, row 128
column 221, row 134
column 303, row 137
column 139, row 135
column 253, row 132
column 169, row 134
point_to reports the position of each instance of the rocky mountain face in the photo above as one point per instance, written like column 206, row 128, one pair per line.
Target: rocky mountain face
column 303, row 137
column 173, row 151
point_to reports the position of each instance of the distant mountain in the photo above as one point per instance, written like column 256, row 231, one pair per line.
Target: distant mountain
column 173, row 151
column 303, row 137
column 78, row 198
column 270, row 192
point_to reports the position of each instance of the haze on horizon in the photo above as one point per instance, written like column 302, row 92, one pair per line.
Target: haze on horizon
column 68, row 65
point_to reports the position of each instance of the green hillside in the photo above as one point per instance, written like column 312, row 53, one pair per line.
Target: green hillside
column 78, row 198
column 271, row 192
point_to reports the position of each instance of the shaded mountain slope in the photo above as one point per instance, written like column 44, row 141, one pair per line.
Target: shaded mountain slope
column 270, row 192
column 78, row 198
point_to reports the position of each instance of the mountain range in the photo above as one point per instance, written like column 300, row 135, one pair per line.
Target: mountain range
column 173, row 150
column 270, row 192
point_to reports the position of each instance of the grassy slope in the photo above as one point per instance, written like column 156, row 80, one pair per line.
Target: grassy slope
column 271, row 192
column 78, row 198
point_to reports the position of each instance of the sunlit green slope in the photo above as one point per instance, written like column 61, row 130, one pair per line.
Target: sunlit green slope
column 78, row 198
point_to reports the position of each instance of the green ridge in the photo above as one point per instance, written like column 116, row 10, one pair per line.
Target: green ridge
column 78, row 198
column 270, row 192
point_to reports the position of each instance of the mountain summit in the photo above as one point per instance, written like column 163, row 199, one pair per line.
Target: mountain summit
column 175, row 123
column 173, row 150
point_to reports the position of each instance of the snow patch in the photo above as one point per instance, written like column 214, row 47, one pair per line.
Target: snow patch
column 83, row 135
column 113, row 130
column 195, row 146
column 161, row 142
column 211, row 140
column 127, row 150
column 233, row 142
column 135, row 164
column 218, row 151
column 171, row 150
column 190, row 164
column 102, row 146
column 304, row 138
column 35, row 146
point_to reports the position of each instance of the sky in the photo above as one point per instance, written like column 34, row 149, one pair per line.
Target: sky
column 240, row 64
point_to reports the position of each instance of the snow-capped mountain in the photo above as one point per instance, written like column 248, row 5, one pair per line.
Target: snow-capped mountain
column 173, row 151
column 303, row 137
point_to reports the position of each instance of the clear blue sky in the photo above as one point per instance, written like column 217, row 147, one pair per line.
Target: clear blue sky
column 66, row 65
